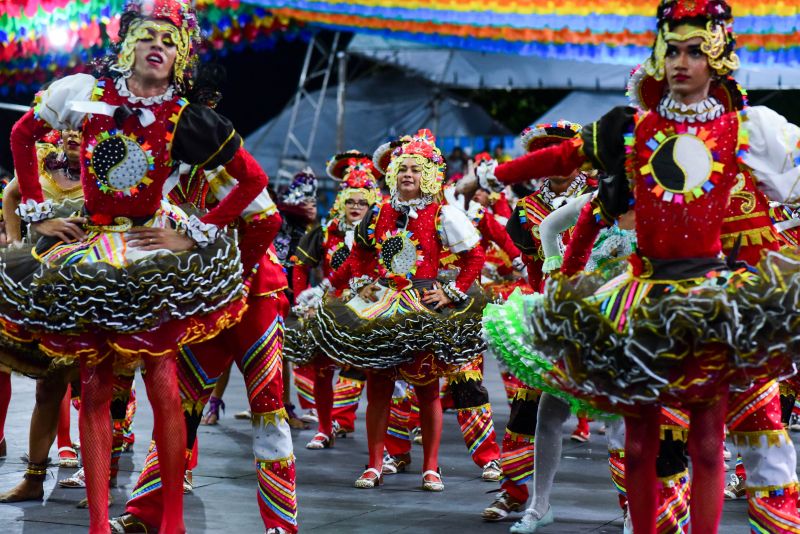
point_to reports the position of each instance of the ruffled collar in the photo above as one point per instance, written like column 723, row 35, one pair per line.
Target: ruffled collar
column 122, row 88
column 556, row 201
column 703, row 111
column 413, row 205
column 344, row 226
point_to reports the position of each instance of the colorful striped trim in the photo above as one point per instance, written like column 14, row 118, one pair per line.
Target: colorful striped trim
column 278, row 493
column 476, row 426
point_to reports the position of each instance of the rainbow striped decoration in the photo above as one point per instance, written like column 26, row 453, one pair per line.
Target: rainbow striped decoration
column 30, row 56
column 608, row 30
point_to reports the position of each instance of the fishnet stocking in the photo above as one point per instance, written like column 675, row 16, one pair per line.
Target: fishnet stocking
column 94, row 422
column 430, row 413
column 641, row 449
column 323, row 399
column 169, row 431
column 706, row 435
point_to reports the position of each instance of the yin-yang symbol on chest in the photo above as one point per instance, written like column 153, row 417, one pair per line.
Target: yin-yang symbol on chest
column 120, row 163
column 681, row 163
column 399, row 254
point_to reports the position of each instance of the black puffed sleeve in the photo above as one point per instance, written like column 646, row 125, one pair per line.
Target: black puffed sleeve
column 365, row 232
column 520, row 235
column 309, row 249
column 204, row 138
column 604, row 147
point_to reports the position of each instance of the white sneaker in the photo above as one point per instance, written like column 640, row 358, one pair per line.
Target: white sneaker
column 627, row 524
column 492, row 471
column 794, row 423
column 531, row 521
column 78, row 480
column 310, row 416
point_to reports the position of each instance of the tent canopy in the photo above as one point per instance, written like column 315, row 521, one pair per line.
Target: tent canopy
column 378, row 108
column 482, row 70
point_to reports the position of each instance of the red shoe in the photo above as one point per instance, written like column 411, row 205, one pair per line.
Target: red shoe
column 581, row 433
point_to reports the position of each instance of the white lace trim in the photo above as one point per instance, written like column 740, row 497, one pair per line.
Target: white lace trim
column 453, row 293
column 203, row 234
column 556, row 201
column 360, row 282
column 413, row 205
column 703, row 111
column 32, row 211
column 122, row 88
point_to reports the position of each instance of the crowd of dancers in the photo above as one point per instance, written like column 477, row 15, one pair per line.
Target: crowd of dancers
column 642, row 270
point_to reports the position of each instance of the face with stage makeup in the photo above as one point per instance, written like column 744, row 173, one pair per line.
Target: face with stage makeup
column 155, row 51
column 686, row 66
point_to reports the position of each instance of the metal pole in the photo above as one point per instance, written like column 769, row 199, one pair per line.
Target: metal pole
column 14, row 107
column 340, row 100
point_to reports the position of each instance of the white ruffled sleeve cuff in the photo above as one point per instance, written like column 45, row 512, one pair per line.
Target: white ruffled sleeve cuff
column 32, row 211
column 457, row 231
column 202, row 233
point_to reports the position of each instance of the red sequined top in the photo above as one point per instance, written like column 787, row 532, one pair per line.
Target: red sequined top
column 125, row 165
column 418, row 245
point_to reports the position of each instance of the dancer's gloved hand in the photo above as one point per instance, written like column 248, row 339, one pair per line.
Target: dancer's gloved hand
column 312, row 296
column 518, row 264
column 484, row 171
column 66, row 229
column 145, row 238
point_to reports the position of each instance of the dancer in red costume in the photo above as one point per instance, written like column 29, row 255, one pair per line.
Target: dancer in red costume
column 330, row 246
column 135, row 124
column 404, row 323
column 517, row 457
column 255, row 345
column 624, row 353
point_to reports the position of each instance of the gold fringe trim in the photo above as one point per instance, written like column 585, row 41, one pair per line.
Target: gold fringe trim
column 284, row 462
column 525, row 394
column 92, row 356
column 673, row 480
column 756, row 236
column 269, row 418
column 678, row 433
column 466, row 376
column 192, row 407
column 486, row 406
column 774, row 438
column 519, row 437
column 766, row 491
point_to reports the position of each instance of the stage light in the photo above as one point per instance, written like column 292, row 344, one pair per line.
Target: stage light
column 58, row 36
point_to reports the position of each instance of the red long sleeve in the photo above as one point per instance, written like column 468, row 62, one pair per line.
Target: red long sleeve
column 251, row 180
column 556, row 160
column 581, row 243
column 496, row 233
column 256, row 237
column 300, row 277
column 24, row 135
column 360, row 262
column 471, row 263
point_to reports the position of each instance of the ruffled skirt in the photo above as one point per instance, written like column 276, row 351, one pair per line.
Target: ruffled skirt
column 100, row 296
column 398, row 334
column 667, row 339
column 509, row 339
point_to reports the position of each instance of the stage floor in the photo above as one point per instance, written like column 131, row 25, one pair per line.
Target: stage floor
column 224, row 499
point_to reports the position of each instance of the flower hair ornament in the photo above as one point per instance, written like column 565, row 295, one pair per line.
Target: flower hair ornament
column 711, row 20
column 302, row 188
column 144, row 18
column 422, row 148
column 356, row 173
